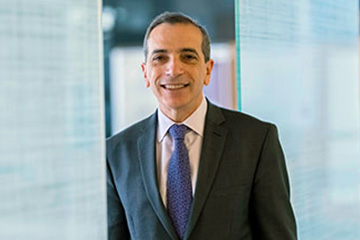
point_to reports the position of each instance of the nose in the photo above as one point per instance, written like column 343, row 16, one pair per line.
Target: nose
column 174, row 67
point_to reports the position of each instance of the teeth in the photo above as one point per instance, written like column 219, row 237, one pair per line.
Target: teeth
column 174, row 86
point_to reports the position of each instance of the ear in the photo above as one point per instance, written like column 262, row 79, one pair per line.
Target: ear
column 143, row 68
column 209, row 67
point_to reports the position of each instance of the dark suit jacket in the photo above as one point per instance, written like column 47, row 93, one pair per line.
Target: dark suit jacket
column 242, row 189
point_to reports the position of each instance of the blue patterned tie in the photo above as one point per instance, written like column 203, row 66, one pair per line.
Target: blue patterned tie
column 179, row 191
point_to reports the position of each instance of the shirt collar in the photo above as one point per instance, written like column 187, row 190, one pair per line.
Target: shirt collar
column 196, row 121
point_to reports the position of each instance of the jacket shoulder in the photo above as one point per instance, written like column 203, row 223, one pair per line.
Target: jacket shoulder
column 244, row 120
column 131, row 133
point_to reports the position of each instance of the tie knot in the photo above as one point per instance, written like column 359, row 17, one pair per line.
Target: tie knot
column 177, row 131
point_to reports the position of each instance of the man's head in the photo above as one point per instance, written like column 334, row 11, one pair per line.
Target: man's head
column 178, row 18
column 175, row 67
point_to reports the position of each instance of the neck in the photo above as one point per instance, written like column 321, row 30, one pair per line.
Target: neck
column 179, row 115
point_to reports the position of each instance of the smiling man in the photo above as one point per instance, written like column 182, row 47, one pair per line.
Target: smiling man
column 176, row 69
column 193, row 170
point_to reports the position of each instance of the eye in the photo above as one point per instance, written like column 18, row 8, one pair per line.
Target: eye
column 159, row 58
column 189, row 57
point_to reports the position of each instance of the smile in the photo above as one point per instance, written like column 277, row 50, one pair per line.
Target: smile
column 174, row 86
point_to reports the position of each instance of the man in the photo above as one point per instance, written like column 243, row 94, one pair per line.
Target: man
column 193, row 170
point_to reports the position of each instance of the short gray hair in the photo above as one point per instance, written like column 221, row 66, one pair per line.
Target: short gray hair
column 174, row 18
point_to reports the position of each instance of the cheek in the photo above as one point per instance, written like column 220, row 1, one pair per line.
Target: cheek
column 155, row 75
column 156, row 91
column 201, row 77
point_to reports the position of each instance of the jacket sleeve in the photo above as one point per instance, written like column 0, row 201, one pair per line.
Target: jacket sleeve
column 116, row 219
column 270, row 208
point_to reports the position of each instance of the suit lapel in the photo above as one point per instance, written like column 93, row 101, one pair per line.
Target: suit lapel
column 147, row 156
column 212, row 148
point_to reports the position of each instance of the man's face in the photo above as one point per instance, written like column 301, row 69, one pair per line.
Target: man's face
column 175, row 69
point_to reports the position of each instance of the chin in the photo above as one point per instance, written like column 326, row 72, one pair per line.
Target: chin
column 175, row 104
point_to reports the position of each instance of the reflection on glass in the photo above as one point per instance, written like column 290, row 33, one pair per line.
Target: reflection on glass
column 299, row 68
column 51, row 126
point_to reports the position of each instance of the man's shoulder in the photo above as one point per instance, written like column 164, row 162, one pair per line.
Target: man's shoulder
column 133, row 132
column 241, row 119
column 244, row 126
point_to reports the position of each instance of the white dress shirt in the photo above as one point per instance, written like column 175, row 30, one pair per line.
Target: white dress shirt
column 193, row 141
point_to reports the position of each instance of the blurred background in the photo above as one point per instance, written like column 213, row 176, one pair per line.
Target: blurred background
column 70, row 76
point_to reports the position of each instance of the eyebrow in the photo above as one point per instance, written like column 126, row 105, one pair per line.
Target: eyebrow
column 189, row 50
column 158, row 51
column 183, row 50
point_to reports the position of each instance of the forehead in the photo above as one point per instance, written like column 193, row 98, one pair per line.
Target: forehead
column 175, row 36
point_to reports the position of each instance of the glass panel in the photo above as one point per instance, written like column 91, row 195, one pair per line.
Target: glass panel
column 51, row 123
column 298, row 68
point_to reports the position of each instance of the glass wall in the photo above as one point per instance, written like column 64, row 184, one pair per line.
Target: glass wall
column 52, row 163
column 298, row 67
